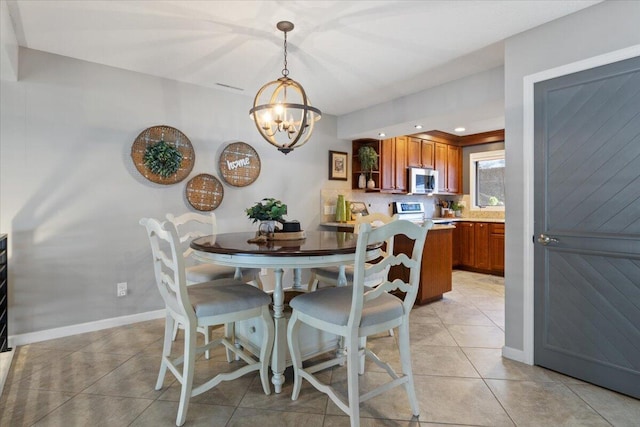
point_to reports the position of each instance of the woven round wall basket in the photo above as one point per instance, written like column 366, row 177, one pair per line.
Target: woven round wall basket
column 204, row 192
column 239, row 164
column 172, row 136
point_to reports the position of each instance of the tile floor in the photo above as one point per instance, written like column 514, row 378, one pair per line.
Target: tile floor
column 106, row 378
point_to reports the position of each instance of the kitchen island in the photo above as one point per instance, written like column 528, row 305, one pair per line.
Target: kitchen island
column 435, row 277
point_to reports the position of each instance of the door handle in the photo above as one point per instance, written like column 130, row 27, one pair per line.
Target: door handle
column 545, row 240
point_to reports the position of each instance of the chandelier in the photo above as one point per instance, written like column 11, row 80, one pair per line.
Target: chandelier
column 281, row 110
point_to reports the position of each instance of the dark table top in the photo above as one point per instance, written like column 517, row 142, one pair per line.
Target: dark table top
column 316, row 243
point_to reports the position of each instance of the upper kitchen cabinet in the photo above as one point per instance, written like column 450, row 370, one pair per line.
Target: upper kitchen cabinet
column 356, row 168
column 448, row 163
column 420, row 153
column 454, row 169
column 391, row 175
column 393, row 164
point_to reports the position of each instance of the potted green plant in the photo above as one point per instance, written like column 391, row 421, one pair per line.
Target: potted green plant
column 457, row 208
column 268, row 211
column 368, row 161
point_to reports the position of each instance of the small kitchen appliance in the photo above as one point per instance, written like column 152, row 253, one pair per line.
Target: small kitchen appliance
column 422, row 181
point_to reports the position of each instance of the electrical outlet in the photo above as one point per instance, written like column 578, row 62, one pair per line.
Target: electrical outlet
column 263, row 271
column 121, row 289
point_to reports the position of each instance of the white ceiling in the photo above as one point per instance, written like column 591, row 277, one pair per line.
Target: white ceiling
column 349, row 55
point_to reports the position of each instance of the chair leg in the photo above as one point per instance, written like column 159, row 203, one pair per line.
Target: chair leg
column 187, row 373
column 229, row 334
column 363, row 344
column 169, row 324
column 258, row 281
column 207, row 338
column 294, row 350
column 353, row 369
column 175, row 331
column 313, row 283
column 405, row 359
column 267, row 345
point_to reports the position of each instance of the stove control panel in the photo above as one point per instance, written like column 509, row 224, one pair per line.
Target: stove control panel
column 408, row 207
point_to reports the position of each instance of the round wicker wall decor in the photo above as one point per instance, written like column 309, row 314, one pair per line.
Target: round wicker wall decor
column 204, row 192
column 239, row 164
column 172, row 136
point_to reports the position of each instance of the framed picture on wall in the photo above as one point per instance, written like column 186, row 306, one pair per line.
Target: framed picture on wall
column 338, row 165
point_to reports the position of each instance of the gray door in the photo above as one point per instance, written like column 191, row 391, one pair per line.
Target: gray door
column 587, row 225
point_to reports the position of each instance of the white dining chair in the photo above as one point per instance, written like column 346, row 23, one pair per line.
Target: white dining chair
column 330, row 275
column 217, row 302
column 189, row 226
column 356, row 312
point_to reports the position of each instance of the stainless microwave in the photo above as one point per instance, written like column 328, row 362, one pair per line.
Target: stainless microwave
column 422, row 181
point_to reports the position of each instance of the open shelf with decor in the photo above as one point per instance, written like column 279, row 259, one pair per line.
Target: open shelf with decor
column 357, row 167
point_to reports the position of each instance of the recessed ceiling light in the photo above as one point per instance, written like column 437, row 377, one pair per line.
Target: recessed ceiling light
column 382, row 134
column 418, row 126
column 459, row 129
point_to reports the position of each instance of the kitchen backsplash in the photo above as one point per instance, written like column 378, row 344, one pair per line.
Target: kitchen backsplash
column 381, row 202
column 375, row 202
column 478, row 213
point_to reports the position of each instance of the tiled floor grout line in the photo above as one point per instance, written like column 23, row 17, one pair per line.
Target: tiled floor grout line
column 502, row 374
column 484, row 380
column 587, row 403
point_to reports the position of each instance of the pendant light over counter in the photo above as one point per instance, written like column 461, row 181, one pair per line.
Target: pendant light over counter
column 281, row 109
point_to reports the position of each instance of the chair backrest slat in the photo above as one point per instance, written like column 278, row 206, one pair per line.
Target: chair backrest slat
column 377, row 219
column 168, row 266
column 368, row 236
column 191, row 225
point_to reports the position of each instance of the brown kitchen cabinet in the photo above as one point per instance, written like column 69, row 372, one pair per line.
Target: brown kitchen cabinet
column 454, row 169
column 467, row 243
column 448, row 163
column 420, row 153
column 496, row 247
column 481, row 250
column 393, row 164
column 455, row 252
column 435, row 275
column 480, row 247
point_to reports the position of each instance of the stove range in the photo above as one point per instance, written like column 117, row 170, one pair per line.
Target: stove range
column 410, row 211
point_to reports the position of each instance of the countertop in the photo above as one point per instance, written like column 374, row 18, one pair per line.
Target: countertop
column 351, row 224
column 456, row 219
column 435, row 221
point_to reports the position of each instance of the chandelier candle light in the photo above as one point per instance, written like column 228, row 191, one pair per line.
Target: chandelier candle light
column 281, row 110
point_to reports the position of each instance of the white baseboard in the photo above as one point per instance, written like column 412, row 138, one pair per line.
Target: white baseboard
column 65, row 331
column 516, row 354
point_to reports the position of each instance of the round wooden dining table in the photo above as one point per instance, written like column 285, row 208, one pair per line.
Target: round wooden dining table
column 317, row 249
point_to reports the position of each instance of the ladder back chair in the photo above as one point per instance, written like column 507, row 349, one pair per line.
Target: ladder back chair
column 217, row 302
column 189, row 226
column 330, row 275
column 355, row 312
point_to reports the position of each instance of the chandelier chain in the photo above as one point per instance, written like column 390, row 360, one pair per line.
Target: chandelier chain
column 285, row 71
